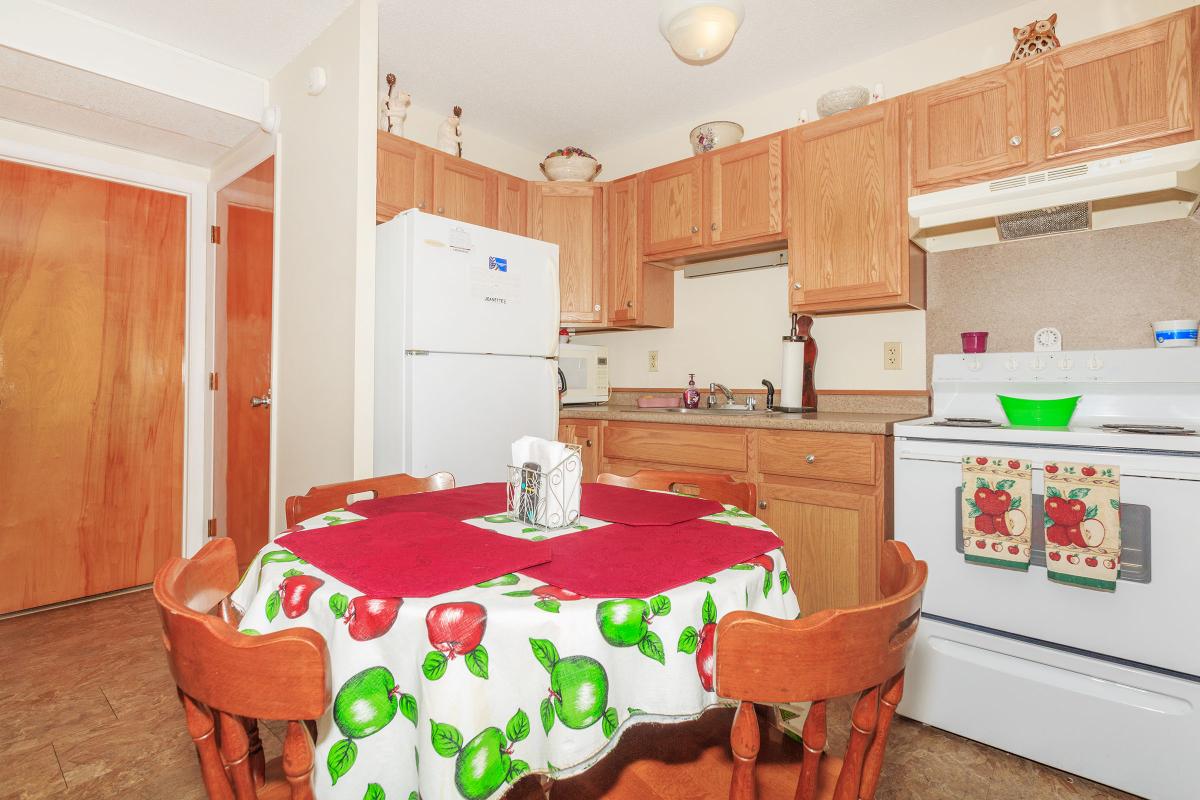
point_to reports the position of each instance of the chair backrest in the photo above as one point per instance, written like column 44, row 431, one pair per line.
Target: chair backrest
column 228, row 680
column 337, row 495
column 722, row 488
column 829, row 654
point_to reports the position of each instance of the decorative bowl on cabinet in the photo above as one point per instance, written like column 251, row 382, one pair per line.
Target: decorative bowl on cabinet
column 711, row 135
column 570, row 164
column 835, row 101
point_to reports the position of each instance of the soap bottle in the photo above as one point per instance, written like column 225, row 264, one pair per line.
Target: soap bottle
column 691, row 395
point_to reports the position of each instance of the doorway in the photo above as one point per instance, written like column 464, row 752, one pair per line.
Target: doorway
column 242, row 381
column 92, row 315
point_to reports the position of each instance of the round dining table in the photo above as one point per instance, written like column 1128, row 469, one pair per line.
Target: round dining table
column 461, row 694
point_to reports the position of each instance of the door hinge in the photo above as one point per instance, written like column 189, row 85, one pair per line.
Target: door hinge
column 212, row 528
column 214, row 381
column 214, row 234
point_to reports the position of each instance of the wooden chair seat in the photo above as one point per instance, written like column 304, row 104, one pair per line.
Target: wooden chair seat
column 331, row 496
column 722, row 488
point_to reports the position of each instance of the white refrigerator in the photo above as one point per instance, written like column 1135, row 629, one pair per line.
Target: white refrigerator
column 466, row 346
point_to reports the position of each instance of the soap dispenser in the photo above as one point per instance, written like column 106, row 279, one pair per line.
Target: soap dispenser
column 691, row 395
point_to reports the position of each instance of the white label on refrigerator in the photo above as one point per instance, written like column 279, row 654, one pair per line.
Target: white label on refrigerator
column 493, row 281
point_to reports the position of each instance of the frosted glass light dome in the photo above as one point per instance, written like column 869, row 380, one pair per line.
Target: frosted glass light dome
column 699, row 31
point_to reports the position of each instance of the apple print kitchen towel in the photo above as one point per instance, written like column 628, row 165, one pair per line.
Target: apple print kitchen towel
column 1083, row 524
column 996, row 498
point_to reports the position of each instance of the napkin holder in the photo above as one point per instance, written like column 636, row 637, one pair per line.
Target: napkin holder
column 547, row 498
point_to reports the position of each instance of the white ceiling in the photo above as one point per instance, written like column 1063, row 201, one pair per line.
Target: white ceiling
column 558, row 72
column 255, row 36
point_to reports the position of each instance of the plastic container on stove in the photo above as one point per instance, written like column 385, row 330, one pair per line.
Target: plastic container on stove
column 1175, row 332
column 1029, row 413
column 974, row 341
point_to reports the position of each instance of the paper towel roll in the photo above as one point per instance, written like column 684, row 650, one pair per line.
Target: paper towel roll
column 792, row 393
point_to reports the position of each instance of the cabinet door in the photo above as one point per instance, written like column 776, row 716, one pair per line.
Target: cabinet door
column 829, row 541
column 746, row 183
column 849, row 230
column 571, row 215
column 511, row 206
column 587, row 436
column 402, row 176
column 1122, row 88
column 464, row 190
column 969, row 126
column 624, row 251
column 672, row 207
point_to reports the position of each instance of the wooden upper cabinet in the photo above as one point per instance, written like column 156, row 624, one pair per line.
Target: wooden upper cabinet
column 746, row 186
column 512, row 206
column 639, row 294
column 464, row 190
column 1117, row 89
column 572, row 216
column 673, row 207
column 403, row 176
column 969, row 126
column 848, row 231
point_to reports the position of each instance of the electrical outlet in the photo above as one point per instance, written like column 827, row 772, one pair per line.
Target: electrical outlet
column 652, row 360
column 893, row 353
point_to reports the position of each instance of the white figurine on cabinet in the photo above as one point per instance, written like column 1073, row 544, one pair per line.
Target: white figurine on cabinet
column 393, row 108
column 449, row 135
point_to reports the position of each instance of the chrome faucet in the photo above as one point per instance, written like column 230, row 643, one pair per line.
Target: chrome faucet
column 712, row 394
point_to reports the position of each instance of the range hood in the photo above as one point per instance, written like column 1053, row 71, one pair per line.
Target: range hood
column 1149, row 186
column 719, row 266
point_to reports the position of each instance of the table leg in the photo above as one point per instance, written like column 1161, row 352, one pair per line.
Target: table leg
column 547, row 783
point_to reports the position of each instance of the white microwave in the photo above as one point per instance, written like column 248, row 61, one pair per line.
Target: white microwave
column 583, row 373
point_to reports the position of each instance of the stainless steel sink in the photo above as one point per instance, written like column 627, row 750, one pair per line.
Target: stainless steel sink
column 733, row 412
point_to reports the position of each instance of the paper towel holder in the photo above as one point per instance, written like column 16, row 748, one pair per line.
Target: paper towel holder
column 801, row 336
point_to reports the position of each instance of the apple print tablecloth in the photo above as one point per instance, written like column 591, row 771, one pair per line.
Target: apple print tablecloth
column 459, row 695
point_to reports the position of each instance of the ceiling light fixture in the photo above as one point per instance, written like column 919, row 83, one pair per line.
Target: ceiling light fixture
column 699, row 31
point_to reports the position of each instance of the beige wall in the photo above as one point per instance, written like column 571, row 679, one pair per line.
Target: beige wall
column 478, row 145
column 1101, row 289
column 326, row 177
column 851, row 346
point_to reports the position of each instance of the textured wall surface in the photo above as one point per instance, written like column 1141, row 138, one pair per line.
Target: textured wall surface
column 1101, row 289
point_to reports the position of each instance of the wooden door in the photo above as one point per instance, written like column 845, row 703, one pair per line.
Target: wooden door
column 403, row 174
column 242, row 456
column 92, row 281
column 829, row 541
column 970, row 126
column 849, row 226
column 624, row 251
column 464, row 190
column 1118, row 89
column 512, row 207
column 587, row 436
column 747, row 190
column 571, row 215
column 673, row 207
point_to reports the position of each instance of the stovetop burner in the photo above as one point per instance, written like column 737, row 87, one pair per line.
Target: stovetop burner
column 967, row 422
column 1157, row 430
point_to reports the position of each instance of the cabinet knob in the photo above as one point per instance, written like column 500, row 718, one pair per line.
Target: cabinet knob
column 596, row 307
column 629, row 304
column 810, row 459
column 1056, row 131
column 441, row 210
column 714, row 226
column 421, row 205
column 762, row 503
column 1015, row 141
column 695, row 229
column 796, row 286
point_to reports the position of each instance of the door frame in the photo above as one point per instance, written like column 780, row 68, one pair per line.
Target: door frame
column 196, row 339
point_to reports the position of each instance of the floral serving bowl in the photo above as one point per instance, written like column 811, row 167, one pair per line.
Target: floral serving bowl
column 835, row 101
column 570, row 164
column 711, row 135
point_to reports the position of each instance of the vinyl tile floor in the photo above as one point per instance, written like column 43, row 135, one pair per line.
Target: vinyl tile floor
column 90, row 711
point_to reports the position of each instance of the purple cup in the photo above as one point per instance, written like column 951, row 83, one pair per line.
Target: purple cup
column 974, row 341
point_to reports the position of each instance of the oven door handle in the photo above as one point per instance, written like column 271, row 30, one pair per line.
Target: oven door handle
column 905, row 454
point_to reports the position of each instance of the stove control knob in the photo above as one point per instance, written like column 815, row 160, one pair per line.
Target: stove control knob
column 1065, row 364
column 1011, row 365
column 1095, row 363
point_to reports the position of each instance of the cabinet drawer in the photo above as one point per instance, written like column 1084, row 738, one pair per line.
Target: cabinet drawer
column 847, row 457
column 688, row 445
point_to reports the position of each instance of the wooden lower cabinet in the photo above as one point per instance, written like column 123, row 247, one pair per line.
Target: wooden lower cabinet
column 587, row 435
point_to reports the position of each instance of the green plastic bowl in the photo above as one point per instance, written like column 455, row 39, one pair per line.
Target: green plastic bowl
column 1039, row 413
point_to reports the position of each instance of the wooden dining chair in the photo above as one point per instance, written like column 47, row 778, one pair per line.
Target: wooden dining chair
column 320, row 499
column 763, row 659
column 228, row 681
column 722, row 488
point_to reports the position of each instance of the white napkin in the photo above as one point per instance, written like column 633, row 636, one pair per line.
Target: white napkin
column 554, row 493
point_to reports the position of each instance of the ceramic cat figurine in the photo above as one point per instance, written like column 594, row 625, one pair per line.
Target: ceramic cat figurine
column 393, row 108
column 1035, row 38
column 449, row 135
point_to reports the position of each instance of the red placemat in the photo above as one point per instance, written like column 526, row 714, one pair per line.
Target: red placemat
column 417, row 554
column 644, row 560
column 463, row 502
column 639, row 507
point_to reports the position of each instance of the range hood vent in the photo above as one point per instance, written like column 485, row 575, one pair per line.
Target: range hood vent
column 721, row 266
column 1149, row 186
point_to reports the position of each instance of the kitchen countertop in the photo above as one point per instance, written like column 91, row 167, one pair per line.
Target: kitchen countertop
column 830, row 421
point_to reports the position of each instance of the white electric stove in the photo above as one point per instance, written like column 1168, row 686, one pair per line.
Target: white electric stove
column 1104, row 685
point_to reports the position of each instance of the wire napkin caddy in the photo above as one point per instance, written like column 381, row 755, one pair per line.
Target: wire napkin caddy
column 546, row 499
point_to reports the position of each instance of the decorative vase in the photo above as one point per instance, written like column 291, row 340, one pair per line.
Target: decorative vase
column 835, row 101
column 570, row 164
column 711, row 135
